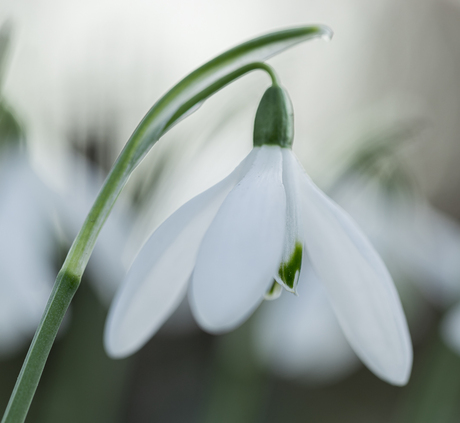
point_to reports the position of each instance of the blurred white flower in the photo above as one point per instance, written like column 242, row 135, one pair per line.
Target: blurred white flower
column 37, row 222
column 30, row 213
column 255, row 225
column 418, row 243
column 300, row 338
column 26, row 252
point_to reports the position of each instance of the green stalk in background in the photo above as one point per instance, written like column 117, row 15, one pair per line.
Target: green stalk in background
column 182, row 100
column 238, row 387
column 433, row 397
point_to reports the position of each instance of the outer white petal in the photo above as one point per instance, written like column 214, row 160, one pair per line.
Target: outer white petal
column 299, row 337
column 359, row 286
column 450, row 328
column 157, row 280
column 242, row 248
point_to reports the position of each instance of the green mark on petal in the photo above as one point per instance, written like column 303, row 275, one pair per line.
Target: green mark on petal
column 274, row 292
column 289, row 271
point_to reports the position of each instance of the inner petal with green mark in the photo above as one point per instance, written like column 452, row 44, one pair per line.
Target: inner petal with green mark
column 274, row 292
column 289, row 271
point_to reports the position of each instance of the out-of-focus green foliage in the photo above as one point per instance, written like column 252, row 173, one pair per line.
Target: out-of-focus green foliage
column 11, row 133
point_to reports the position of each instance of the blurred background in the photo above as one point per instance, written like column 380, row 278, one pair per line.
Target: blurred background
column 377, row 121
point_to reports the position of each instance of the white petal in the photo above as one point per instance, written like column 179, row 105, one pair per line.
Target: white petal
column 242, row 248
column 450, row 328
column 157, row 280
column 299, row 336
column 359, row 286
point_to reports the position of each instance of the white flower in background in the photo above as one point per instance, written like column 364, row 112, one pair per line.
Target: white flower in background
column 30, row 213
column 418, row 243
column 300, row 337
column 26, row 252
column 255, row 229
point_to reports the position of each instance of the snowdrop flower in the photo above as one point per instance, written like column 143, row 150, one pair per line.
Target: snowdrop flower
column 249, row 234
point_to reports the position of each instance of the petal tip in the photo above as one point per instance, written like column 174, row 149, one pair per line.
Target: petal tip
column 114, row 349
column 400, row 380
column 398, row 375
column 325, row 32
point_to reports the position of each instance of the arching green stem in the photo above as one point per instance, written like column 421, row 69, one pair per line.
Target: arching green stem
column 170, row 109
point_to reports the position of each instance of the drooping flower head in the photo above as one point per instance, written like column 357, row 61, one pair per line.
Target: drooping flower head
column 252, row 234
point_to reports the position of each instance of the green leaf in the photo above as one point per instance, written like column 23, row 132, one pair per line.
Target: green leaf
column 5, row 31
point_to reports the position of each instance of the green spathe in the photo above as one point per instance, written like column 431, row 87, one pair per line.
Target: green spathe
column 274, row 123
